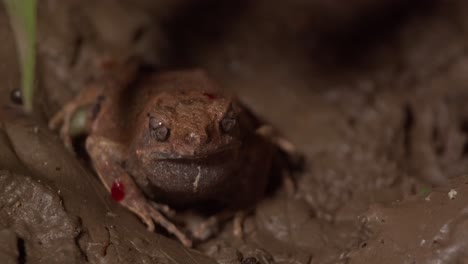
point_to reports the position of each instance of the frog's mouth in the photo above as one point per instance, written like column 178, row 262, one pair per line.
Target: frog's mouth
column 228, row 151
column 181, row 179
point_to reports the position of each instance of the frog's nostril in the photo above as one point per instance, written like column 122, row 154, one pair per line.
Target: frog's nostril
column 196, row 138
column 192, row 138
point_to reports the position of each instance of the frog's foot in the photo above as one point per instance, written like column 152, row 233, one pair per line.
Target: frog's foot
column 107, row 157
column 294, row 157
column 62, row 120
column 269, row 132
column 209, row 227
column 150, row 215
column 206, row 229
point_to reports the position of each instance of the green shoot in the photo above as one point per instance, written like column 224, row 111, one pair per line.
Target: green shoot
column 23, row 20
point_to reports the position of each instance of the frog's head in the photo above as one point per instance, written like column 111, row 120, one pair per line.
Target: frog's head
column 188, row 139
column 189, row 120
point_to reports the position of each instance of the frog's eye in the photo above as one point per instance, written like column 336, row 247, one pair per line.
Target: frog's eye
column 229, row 121
column 157, row 130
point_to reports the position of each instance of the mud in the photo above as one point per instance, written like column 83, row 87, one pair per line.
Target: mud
column 372, row 92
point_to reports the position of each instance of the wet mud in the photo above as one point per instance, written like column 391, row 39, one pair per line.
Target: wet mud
column 374, row 93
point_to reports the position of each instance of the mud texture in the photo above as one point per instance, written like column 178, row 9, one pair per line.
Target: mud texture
column 374, row 93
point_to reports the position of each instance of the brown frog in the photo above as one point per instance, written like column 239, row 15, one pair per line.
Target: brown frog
column 174, row 138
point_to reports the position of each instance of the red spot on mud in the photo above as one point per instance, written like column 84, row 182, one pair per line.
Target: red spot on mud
column 117, row 191
column 210, row 96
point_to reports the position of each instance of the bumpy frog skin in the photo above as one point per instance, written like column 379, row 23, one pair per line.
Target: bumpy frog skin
column 173, row 138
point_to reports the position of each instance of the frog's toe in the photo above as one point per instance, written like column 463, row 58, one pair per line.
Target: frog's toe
column 65, row 136
column 56, row 120
column 62, row 120
column 165, row 209
column 168, row 225
column 67, row 141
column 146, row 218
column 293, row 157
column 206, row 229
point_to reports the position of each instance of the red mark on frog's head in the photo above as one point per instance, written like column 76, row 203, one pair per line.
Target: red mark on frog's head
column 210, row 96
column 117, row 191
column 106, row 62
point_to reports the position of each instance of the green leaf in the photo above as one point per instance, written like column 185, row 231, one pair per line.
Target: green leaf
column 23, row 20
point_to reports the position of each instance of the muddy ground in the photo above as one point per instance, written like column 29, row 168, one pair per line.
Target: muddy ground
column 374, row 93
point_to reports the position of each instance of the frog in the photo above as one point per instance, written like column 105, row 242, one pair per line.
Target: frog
column 172, row 139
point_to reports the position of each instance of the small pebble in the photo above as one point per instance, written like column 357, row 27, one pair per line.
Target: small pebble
column 452, row 193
